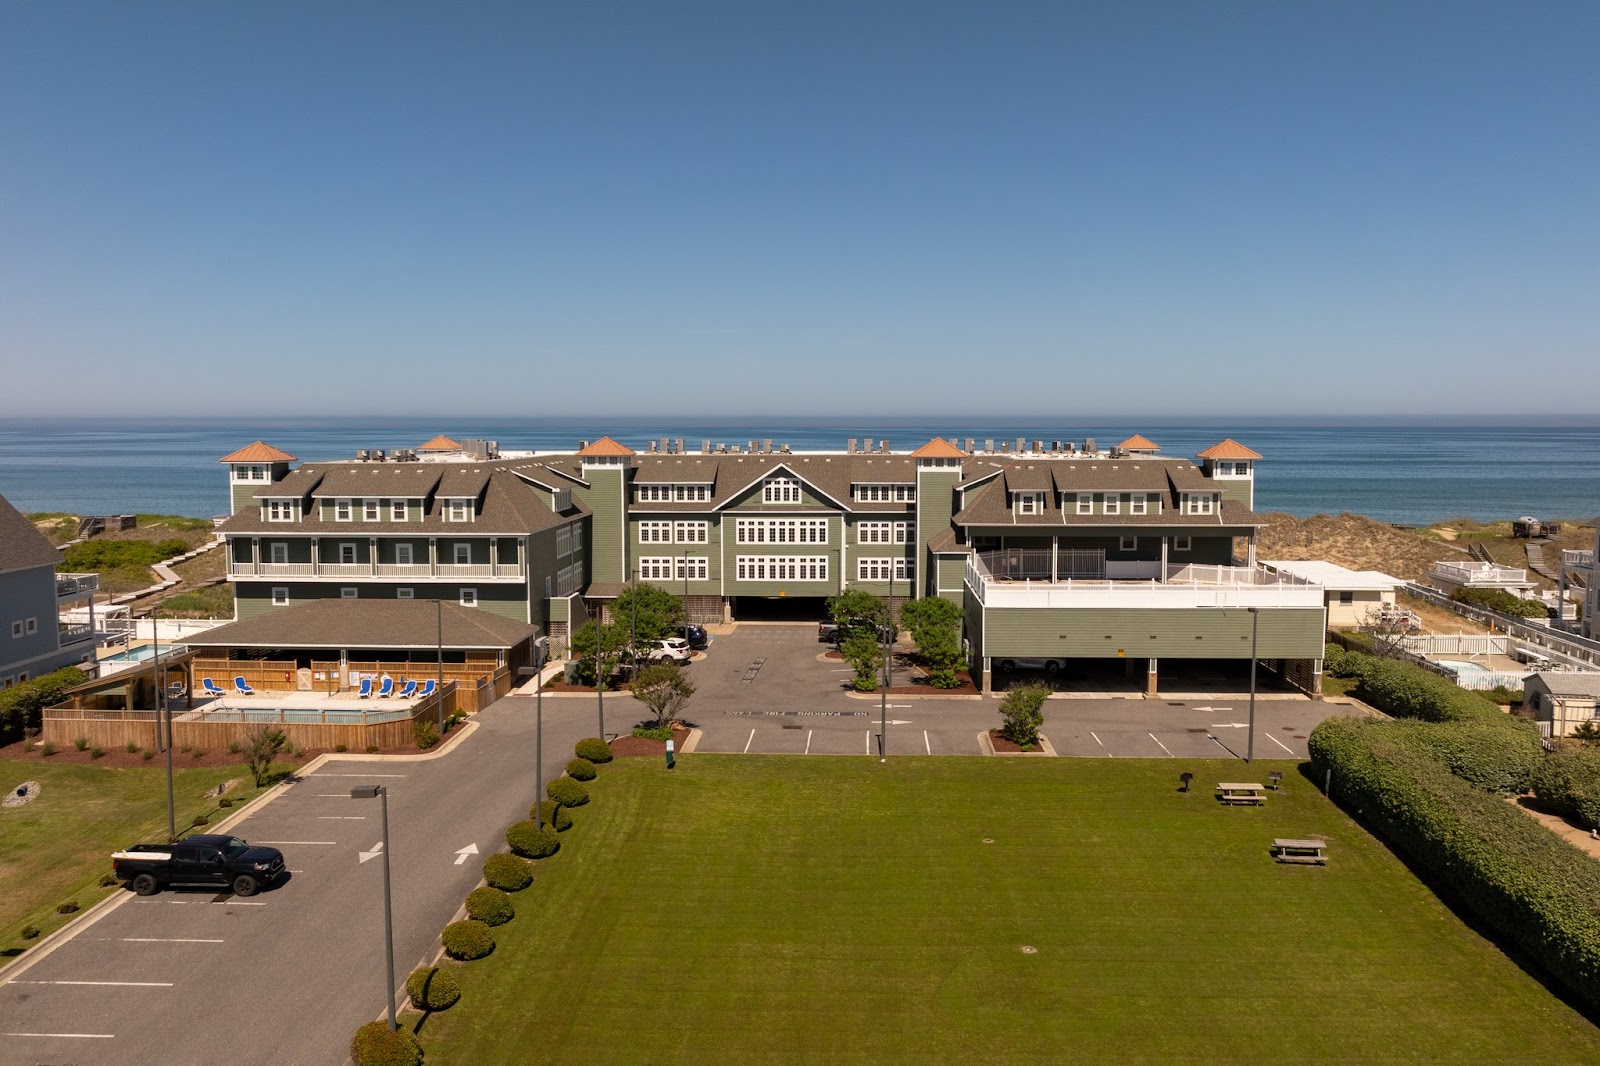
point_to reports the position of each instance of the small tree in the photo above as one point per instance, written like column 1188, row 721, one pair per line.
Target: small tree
column 849, row 608
column 664, row 689
column 648, row 611
column 613, row 643
column 1022, row 713
column 862, row 651
column 261, row 745
column 935, row 625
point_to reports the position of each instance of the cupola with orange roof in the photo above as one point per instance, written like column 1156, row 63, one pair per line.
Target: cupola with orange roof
column 441, row 443
column 605, row 452
column 1139, row 444
column 1233, row 467
column 250, row 468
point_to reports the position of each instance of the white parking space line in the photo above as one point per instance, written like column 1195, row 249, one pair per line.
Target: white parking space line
column 117, row 984
column 1102, row 743
column 1278, row 742
column 1163, row 746
column 869, row 742
column 808, row 740
column 235, row 903
column 926, row 743
column 357, row 775
column 164, row 940
column 68, row 1036
column 341, row 817
column 333, row 795
column 297, row 842
column 749, row 742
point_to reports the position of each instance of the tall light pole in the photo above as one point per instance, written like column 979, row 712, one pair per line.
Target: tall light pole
column 381, row 793
column 155, row 679
column 1250, row 744
column 438, row 610
column 599, row 682
column 888, row 674
column 538, row 742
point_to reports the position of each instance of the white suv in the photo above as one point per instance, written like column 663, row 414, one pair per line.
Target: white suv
column 673, row 649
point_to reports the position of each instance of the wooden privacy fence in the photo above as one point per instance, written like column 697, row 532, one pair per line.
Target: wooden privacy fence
column 265, row 674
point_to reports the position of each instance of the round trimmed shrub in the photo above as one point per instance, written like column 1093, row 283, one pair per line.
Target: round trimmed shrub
column 567, row 792
column 553, row 814
column 531, row 842
column 375, row 1045
column 490, row 906
column 581, row 770
column 594, row 749
column 508, row 873
column 467, row 940
column 432, row 988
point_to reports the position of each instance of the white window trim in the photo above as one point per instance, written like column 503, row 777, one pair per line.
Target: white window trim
column 773, row 568
column 277, row 548
column 372, row 510
column 1182, row 544
column 1085, row 503
column 1030, row 503
column 655, row 532
column 399, row 511
column 469, row 597
column 1113, row 503
column 457, row 550
column 280, row 596
column 353, row 554
column 1128, row 544
column 404, row 555
column 343, row 510
column 349, row 593
column 691, row 532
column 781, row 531
column 780, row 490
column 16, row 630
column 458, row 510
column 405, row 594
column 280, row 510
column 1139, row 503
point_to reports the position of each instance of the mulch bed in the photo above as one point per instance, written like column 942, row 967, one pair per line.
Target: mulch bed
column 1002, row 744
column 631, row 745
column 220, row 756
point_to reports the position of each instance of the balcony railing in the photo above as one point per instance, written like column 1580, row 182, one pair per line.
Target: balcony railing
column 1185, row 587
column 1581, row 559
column 72, row 632
column 390, row 571
column 1479, row 574
column 76, row 584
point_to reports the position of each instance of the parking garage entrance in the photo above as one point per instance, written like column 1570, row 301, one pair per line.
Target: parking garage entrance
column 780, row 608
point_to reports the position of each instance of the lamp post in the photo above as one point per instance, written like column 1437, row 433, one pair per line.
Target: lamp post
column 438, row 610
column 599, row 682
column 382, row 794
column 155, row 679
column 633, row 628
column 888, row 675
column 538, row 742
column 1250, row 743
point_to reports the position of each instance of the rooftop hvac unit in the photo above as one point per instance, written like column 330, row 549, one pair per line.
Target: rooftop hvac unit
column 1038, row 446
column 784, row 448
column 363, row 455
column 766, row 445
column 582, row 444
column 705, row 447
column 883, row 447
column 866, row 444
column 377, row 455
column 970, row 443
column 1116, row 452
column 850, row 445
column 651, row 448
column 680, row 445
column 988, row 444
column 1088, row 446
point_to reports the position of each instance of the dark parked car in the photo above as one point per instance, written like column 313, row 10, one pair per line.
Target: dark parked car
column 695, row 635
column 203, row 859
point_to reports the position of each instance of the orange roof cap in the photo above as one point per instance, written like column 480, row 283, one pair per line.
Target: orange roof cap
column 259, row 452
column 441, row 443
column 1229, row 449
column 939, row 448
column 1139, row 443
column 606, row 446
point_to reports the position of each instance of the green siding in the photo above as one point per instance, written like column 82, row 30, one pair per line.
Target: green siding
column 1285, row 633
column 750, row 499
column 607, row 559
column 833, row 551
column 1239, row 490
column 711, row 550
column 252, row 598
column 936, row 505
column 952, row 573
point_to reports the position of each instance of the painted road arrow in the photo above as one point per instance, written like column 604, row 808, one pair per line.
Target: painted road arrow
column 377, row 849
column 461, row 856
column 1213, row 709
column 1229, row 725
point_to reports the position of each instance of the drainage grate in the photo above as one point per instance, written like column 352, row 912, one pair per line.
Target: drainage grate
column 1177, row 705
column 1200, row 730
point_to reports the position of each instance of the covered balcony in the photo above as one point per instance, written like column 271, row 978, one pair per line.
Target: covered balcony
column 1085, row 579
column 76, row 586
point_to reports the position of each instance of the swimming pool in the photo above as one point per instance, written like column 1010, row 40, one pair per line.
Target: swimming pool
column 1463, row 670
column 142, row 653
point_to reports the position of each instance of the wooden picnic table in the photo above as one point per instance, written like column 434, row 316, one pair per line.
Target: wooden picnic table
column 1304, row 851
column 1241, row 792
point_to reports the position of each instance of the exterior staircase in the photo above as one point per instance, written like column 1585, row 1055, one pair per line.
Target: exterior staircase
column 1537, row 564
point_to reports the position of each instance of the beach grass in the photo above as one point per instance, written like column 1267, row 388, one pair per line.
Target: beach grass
column 818, row 909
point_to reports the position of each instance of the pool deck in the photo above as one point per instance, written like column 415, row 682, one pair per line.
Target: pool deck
column 301, row 703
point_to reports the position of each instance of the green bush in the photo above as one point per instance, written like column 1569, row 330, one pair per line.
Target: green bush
column 22, row 705
column 131, row 746
column 581, row 770
column 426, row 733
column 508, row 873
column 531, row 842
column 653, row 732
column 69, row 907
column 1022, row 713
column 594, row 749
column 30, row 932
column 1496, row 756
column 1408, row 691
column 567, row 792
column 48, row 749
column 1502, row 601
column 97, row 752
column 432, row 988
column 467, row 940
column 1568, row 782
column 200, row 819
column 552, row 813
column 490, row 906
column 375, row 1045
column 1520, row 880
column 81, row 743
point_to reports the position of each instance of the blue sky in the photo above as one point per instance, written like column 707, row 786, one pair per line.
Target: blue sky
column 694, row 208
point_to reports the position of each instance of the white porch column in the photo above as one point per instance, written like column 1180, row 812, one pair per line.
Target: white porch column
column 1252, row 553
column 1055, row 566
column 372, row 556
column 1163, row 559
column 433, row 556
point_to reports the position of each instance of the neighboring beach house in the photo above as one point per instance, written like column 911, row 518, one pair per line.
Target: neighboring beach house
column 1353, row 597
column 33, row 640
column 1579, row 565
column 1562, row 700
column 1112, row 559
column 1449, row 575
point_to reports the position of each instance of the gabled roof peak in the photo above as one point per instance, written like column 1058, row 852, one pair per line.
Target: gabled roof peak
column 441, row 443
column 1139, row 443
column 607, row 447
column 939, row 448
column 259, row 452
column 1229, row 449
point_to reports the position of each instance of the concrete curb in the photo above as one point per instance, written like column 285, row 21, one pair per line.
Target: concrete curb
column 986, row 747
column 691, row 742
column 875, row 696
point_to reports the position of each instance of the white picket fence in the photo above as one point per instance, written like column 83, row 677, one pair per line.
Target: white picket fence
column 1460, row 644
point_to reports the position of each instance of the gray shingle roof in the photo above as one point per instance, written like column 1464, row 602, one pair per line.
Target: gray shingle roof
column 23, row 547
column 369, row 624
column 1570, row 682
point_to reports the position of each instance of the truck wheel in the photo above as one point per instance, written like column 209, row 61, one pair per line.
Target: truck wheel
column 244, row 885
column 1051, row 666
column 146, row 885
column 1007, row 665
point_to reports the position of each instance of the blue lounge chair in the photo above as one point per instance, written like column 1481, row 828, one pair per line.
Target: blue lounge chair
column 209, row 687
column 387, row 688
column 243, row 687
column 428, row 688
column 408, row 690
column 366, row 688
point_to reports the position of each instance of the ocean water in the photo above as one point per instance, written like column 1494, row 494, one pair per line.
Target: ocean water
column 1411, row 473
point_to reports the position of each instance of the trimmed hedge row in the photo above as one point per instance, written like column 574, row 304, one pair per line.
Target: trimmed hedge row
column 1499, row 756
column 1568, row 782
column 1521, row 880
column 375, row 1045
column 432, row 988
column 508, row 873
column 490, row 906
column 532, row 842
column 567, row 792
column 1408, row 691
column 467, row 940
column 594, row 749
column 552, row 813
column 581, row 770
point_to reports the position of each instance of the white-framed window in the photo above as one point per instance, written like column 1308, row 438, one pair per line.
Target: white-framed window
column 402, row 554
column 780, row 490
column 462, row 553
column 1235, row 469
column 33, row 626
column 405, row 594
column 691, row 532
column 569, row 579
column 347, row 554
column 1128, row 544
column 672, row 493
column 577, row 537
column 249, row 472
column 280, row 596
column 371, row 510
column 1138, row 503
column 279, row 550
column 348, row 593
column 655, row 532
column 674, row 568
column 1085, row 503
column 341, row 510
column 781, row 567
column 884, row 493
column 1180, row 544
column 458, row 510
column 281, row 510
column 397, row 510
column 1201, row 503
column 1030, row 503
column 469, row 597
column 16, row 629
column 22, row 677
column 874, row 532
column 879, row 569
column 780, row 531
column 563, row 542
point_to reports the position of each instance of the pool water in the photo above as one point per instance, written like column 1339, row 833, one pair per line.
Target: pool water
column 142, row 653
column 1461, row 669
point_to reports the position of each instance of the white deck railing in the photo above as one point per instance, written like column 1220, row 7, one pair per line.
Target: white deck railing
column 1186, row 587
column 1479, row 574
column 76, row 584
column 1583, row 559
column 413, row 571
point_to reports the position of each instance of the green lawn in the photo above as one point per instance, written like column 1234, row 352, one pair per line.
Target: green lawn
column 772, row 909
column 56, row 847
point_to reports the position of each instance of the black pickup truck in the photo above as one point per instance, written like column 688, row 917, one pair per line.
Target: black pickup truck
column 213, row 860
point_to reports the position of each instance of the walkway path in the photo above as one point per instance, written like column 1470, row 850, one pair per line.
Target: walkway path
column 1578, row 838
